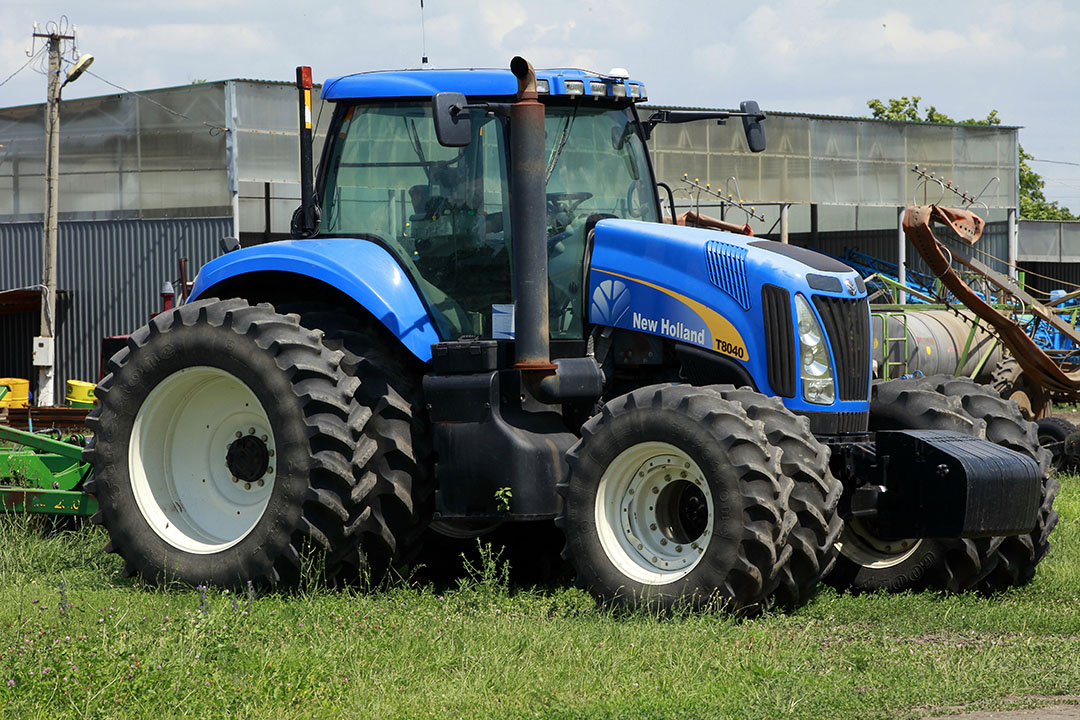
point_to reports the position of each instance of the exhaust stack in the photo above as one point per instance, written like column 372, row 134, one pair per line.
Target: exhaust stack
column 568, row 378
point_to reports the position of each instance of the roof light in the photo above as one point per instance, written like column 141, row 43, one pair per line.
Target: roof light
column 542, row 85
column 635, row 91
column 575, row 87
column 618, row 90
column 597, row 87
column 644, row 95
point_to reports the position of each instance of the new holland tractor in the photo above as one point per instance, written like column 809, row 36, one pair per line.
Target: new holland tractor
column 482, row 318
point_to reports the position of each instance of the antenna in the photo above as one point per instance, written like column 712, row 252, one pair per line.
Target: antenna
column 423, row 37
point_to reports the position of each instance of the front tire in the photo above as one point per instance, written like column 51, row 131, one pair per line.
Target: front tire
column 221, row 449
column 675, row 497
column 815, row 494
column 867, row 563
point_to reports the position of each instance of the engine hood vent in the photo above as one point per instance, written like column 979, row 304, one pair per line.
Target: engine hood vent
column 727, row 270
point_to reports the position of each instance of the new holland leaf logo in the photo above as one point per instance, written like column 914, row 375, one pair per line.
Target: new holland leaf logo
column 610, row 302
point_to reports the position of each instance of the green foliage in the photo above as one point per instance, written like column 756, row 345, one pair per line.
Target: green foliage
column 1033, row 203
column 503, row 496
column 906, row 109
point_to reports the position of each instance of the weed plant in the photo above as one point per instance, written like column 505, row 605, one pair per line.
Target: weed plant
column 78, row 640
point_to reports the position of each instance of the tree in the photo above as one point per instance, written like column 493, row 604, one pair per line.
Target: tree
column 1033, row 203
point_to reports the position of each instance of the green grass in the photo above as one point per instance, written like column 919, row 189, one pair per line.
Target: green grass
column 78, row 640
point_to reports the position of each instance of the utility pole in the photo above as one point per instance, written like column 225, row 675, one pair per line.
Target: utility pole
column 45, row 343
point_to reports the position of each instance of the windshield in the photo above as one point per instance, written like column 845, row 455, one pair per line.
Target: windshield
column 597, row 168
column 444, row 212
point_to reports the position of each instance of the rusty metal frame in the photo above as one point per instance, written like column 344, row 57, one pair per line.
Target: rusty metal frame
column 1040, row 367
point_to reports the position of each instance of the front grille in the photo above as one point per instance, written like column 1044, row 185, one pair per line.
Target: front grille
column 847, row 323
column 727, row 270
column 779, row 339
column 837, row 423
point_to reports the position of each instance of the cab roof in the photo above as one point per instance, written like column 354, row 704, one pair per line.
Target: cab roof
column 476, row 82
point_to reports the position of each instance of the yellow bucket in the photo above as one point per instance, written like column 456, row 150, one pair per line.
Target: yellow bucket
column 18, row 392
column 80, row 394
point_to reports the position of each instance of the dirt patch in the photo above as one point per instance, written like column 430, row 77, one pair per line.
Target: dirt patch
column 1057, row 711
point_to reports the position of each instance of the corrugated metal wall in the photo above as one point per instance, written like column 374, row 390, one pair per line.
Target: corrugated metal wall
column 112, row 272
column 1042, row 277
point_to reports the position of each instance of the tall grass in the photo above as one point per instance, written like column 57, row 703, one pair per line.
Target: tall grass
column 79, row 640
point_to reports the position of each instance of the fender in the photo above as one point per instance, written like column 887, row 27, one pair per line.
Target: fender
column 361, row 269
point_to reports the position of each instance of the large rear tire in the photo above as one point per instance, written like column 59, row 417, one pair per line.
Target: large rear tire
column 221, row 449
column 392, row 503
column 675, row 497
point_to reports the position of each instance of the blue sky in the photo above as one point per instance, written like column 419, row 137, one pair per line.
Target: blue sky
column 814, row 56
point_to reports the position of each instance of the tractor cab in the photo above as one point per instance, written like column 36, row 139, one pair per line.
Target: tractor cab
column 444, row 212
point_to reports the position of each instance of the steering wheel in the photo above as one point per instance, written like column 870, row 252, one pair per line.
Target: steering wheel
column 635, row 207
column 560, row 209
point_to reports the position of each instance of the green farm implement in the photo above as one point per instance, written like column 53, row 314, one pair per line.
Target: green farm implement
column 43, row 473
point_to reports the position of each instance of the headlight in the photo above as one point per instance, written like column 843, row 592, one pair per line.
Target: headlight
column 814, row 366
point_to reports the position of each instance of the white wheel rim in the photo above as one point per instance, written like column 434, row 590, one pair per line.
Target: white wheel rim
column 861, row 546
column 182, row 483
column 641, row 513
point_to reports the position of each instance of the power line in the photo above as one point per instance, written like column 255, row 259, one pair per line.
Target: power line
column 214, row 129
column 25, row 65
column 1055, row 162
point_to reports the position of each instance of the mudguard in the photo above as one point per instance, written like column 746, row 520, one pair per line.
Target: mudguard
column 704, row 288
column 361, row 269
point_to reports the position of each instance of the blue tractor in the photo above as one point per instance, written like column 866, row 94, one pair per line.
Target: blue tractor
column 484, row 319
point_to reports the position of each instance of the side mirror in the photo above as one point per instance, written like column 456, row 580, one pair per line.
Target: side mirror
column 453, row 126
column 751, row 122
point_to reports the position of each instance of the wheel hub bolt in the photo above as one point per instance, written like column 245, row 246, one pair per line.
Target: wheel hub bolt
column 655, row 490
column 261, row 483
column 239, row 434
column 678, row 548
column 667, row 478
column 251, row 431
column 652, row 526
column 235, row 479
column 631, row 491
column 682, row 474
column 663, row 541
column 247, row 486
column 693, row 545
column 264, row 438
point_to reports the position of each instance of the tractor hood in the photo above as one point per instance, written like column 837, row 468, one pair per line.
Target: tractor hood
column 724, row 292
